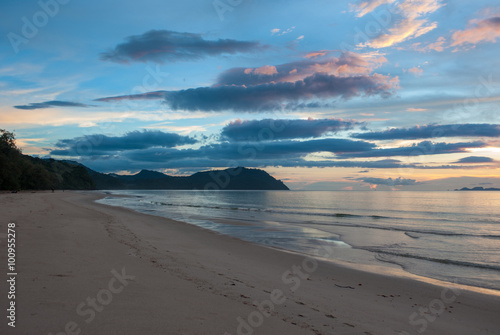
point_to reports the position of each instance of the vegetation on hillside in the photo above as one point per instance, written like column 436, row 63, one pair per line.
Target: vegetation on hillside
column 22, row 172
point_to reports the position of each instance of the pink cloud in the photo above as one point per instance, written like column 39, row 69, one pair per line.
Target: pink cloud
column 347, row 65
column 416, row 71
column 264, row 70
column 486, row 30
column 316, row 54
column 436, row 46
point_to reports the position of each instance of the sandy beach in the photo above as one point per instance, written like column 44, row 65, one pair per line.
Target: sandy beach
column 87, row 268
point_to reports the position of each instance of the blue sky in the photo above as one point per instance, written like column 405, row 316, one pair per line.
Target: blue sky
column 394, row 94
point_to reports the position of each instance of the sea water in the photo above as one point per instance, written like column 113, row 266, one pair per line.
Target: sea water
column 451, row 236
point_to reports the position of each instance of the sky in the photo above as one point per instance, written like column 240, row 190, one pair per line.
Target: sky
column 324, row 95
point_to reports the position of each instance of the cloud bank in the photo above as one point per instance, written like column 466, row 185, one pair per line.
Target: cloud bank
column 475, row 159
column 280, row 95
column 418, row 149
column 434, row 131
column 98, row 144
column 389, row 181
column 269, row 129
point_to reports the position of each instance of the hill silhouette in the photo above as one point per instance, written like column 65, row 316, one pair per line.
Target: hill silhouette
column 23, row 172
column 239, row 178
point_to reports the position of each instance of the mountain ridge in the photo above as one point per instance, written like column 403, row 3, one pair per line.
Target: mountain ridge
column 239, row 178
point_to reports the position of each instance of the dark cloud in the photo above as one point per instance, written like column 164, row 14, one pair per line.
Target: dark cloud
column 144, row 96
column 270, row 129
column 434, row 131
column 389, row 181
column 159, row 160
column 418, row 149
column 156, row 149
column 169, row 46
column 475, row 159
column 120, row 163
column 495, row 21
column 98, row 145
column 272, row 96
column 251, row 151
column 268, row 97
column 53, row 103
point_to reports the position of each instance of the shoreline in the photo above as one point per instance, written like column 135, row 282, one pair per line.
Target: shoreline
column 191, row 280
column 369, row 261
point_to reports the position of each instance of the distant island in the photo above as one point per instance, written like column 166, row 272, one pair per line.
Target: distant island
column 479, row 188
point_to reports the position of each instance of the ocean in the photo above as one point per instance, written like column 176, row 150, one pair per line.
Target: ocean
column 450, row 236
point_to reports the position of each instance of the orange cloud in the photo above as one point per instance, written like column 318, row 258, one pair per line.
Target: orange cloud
column 412, row 25
column 486, row 30
column 368, row 6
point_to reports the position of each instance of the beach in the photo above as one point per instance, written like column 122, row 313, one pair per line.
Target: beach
column 88, row 268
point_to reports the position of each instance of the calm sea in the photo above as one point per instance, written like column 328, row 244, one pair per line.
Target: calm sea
column 451, row 236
